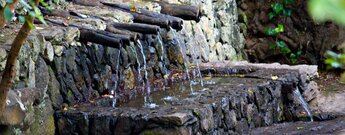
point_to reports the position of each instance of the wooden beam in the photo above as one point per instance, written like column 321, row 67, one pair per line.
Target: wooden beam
column 137, row 27
column 94, row 37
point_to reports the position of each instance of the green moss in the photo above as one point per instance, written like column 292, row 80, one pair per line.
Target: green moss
column 70, row 93
column 150, row 132
column 50, row 130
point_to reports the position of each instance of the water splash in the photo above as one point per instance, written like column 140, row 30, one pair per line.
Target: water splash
column 181, row 51
column 194, row 55
column 160, row 41
column 170, row 98
column 304, row 104
column 114, row 99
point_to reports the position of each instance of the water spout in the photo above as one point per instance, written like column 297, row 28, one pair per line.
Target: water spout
column 304, row 104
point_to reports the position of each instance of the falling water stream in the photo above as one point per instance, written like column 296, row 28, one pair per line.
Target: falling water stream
column 115, row 79
column 160, row 41
column 194, row 55
column 183, row 56
column 304, row 104
column 147, row 101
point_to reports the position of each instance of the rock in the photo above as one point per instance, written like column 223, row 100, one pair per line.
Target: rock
column 311, row 91
column 14, row 112
column 73, row 91
column 129, row 79
column 104, row 13
column 71, row 60
column 70, row 35
column 201, row 42
column 49, row 52
column 41, row 77
column 54, row 90
column 92, row 23
column 54, row 34
column 205, row 116
column 178, row 119
column 31, row 78
column 3, row 56
column 168, row 131
column 219, row 50
column 112, row 55
column 242, row 127
column 58, row 50
column 229, row 52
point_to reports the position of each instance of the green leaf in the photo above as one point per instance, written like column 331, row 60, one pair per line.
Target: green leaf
column 279, row 29
column 293, row 58
column 299, row 53
column 26, row 5
column 324, row 10
column 45, row 5
column 332, row 54
column 333, row 63
column 8, row 13
column 271, row 15
column 21, row 19
column 287, row 12
column 277, row 7
column 336, row 64
column 272, row 46
column 30, row 24
column 32, row 14
column 270, row 31
column 42, row 20
column 9, row 1
column 281, row 44
column 285, row 50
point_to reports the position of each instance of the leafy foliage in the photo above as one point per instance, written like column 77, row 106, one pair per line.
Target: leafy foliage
column 334, row 10
column 277, row 9
column 322, row 10
column 33, row 11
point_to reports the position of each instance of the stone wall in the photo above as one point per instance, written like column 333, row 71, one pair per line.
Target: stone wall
column 217, row 37
column 229, row 108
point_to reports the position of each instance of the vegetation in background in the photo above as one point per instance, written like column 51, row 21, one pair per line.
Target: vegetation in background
column 330, row 10
column 277, row 9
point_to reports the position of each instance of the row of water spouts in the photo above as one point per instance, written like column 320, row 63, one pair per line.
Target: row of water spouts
column 148, row 103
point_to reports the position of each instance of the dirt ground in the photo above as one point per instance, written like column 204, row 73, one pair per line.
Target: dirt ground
column 300, row 33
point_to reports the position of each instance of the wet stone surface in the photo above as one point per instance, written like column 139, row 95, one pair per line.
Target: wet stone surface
column 235, row 104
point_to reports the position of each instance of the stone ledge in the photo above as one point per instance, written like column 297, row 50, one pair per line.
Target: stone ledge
column 227, row 108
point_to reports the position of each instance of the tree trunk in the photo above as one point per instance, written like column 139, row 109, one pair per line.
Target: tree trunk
column 10, row 68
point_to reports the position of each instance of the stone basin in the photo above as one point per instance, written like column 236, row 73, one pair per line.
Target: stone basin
column 250, row 96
